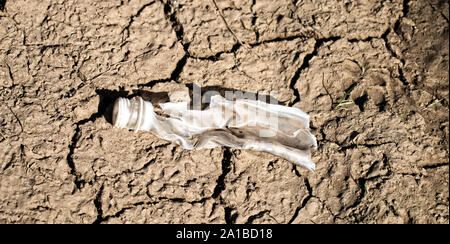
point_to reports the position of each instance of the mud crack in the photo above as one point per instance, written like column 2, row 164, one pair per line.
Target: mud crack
column 303, row 36
column 394, row 54
column 170, row 16
column 98, row 206
column 306, row 199
column 225, row 22
column 69, row 157
column 101, row 219
column 173, row 76
column 305, row 65
column 137, row 14
column 256, row 216
column 226, row 168
column 102, row 108
column 230, row 217
column 169, row 13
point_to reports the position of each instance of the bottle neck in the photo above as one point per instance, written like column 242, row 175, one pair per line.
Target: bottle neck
column 128, row 113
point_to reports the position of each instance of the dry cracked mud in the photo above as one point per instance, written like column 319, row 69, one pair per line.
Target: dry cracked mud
column 373, row 75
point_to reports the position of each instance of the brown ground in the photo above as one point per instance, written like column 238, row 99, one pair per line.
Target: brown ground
column 382, row 159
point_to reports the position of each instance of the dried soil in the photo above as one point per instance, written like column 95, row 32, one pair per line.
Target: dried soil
column 382, row 155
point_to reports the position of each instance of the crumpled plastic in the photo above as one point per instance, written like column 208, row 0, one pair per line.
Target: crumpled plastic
column 241, row 124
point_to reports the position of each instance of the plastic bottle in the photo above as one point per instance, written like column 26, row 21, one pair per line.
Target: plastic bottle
column 242, row 124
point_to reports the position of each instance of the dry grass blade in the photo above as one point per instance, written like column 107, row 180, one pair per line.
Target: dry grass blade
column 433, row 103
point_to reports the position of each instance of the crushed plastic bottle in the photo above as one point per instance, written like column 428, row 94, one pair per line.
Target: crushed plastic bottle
column 242, row 124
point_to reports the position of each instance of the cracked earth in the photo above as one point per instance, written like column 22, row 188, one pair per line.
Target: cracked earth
column 373, row 76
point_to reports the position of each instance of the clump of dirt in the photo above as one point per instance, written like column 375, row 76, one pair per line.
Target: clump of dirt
column 373, row 75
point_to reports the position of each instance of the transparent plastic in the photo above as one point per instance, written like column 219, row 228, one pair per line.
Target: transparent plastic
column 242, row 124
